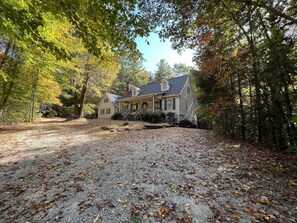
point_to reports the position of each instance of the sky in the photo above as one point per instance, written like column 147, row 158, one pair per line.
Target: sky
column 158, row 50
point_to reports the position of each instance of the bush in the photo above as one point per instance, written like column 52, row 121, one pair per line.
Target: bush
column 156, row 117
column 117, row 116
column 152, row 117
column 147, row 117
column 163, row 116
column 187, row 124
column 291, row 150
column 90, row 111
column 171, row 117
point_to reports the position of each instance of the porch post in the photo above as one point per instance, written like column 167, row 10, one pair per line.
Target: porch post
column 153, row 104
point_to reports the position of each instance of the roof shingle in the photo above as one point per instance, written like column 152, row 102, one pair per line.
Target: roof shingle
column 176, row 86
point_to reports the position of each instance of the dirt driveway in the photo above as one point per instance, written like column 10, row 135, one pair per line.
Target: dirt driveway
column 56, row 171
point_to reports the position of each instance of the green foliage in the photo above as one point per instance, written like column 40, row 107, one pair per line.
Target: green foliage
column 153, row 117
column 180, row 69
column 187, row 124
column 246, row 55
column 94, row 22
column 131, row 72
column 163, row 71
column 117, row 116
column 90, row 110
column 292, row 150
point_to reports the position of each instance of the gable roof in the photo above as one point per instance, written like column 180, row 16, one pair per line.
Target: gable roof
column 113, row 97
column 176, row 86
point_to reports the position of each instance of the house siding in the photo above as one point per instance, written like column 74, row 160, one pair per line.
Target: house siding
column 105, row 106
column 187, row 103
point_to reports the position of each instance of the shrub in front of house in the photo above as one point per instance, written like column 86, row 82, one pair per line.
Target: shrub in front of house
column 170, row 117
column 187, row 124
column 156, row 117
column 117, row 116
column 147, row 117
column 163, row 116
column 152, row 117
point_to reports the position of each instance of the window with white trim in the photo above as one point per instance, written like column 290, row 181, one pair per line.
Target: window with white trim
column 135, row 91
column 169, row 104
column 105, row 100
column 102, row 111
column 164, row 85
column 108, row 111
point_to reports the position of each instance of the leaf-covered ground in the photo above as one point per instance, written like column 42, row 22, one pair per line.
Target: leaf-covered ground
column 75, row 172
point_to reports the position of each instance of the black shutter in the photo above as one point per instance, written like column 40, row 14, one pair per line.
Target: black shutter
column 161, row 104
column 165, row 104
column 173, row 103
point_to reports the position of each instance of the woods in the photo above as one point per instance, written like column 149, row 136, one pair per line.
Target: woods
column 246, row 55
column 63, row 60
column 68, row 53
column 62, row 53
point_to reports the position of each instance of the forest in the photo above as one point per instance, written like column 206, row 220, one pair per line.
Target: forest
column 66, row 54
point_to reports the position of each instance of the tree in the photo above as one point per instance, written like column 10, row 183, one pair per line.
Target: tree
column 180, row 69
column 112, row 22
column 245, row 51
column 32, row 77
column 163, row 71
column 131, row 72
column 28, row 81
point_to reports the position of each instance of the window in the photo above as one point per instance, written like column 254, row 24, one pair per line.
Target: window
column 187, row 106
column 135, row 91
column 102, row 111
column 188, row 90
column 169, row 104
column 108, row 111
column 105, row 100
column 164, row 85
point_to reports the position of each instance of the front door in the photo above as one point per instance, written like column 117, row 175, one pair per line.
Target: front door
column 144, row 106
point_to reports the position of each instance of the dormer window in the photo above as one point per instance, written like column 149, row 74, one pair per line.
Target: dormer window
column 135, row 91
column 164, row 85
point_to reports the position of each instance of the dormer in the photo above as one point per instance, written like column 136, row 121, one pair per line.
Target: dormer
column 164, row 85
column 135, row 90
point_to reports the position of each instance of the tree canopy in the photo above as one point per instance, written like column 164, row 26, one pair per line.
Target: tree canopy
column 246, row 55
column 163, row 71
column 112, row 23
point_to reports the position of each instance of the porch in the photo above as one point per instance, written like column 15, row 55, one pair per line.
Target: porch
column 134, row 108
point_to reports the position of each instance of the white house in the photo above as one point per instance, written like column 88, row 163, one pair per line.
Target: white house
column 107, row 105
column 174, row 95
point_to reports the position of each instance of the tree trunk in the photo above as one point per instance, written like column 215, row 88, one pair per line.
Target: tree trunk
column 80, row 99
column 242, row 114
column 33, row 97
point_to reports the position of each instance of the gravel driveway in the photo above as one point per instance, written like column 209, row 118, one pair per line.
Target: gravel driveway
column 56, row 171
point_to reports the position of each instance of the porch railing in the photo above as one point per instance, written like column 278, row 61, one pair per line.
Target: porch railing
column 126, row 113
column 138, row 113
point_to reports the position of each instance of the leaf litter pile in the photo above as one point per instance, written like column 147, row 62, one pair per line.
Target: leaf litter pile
column 70, row 172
